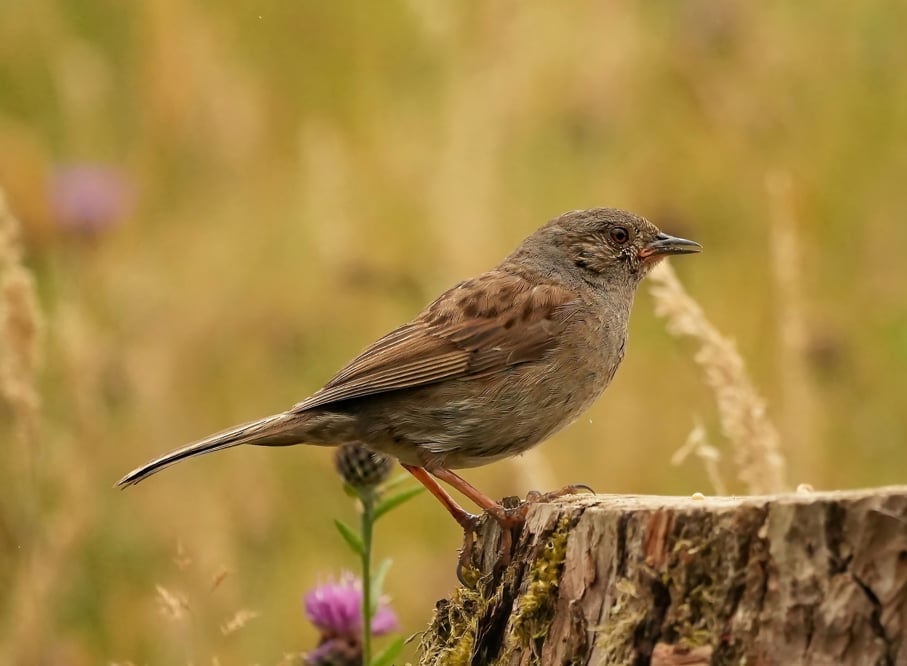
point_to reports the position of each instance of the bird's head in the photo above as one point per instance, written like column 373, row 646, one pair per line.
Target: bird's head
column 605, row 246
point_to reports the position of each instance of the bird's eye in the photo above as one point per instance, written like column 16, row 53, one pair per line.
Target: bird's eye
column 620, row 235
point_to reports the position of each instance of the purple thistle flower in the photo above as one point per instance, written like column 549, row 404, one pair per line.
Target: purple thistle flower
column 89, row 198
column 336, row 609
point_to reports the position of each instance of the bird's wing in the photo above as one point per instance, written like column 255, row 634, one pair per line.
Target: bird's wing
column 478, row 327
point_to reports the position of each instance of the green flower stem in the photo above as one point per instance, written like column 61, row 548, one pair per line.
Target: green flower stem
column 367, row 496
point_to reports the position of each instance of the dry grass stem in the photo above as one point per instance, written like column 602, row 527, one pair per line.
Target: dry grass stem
column 172, row 604
column 697, row 444
column 182, row 559
column 798, row 406
column 20, row 331
column 219, row 578
column 239, row 620
column 741, row 409
column 21, row 326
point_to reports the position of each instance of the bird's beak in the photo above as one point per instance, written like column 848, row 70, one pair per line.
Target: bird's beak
column 664, row 245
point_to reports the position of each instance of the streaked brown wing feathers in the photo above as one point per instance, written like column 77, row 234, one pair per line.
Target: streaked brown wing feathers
column 478, row 327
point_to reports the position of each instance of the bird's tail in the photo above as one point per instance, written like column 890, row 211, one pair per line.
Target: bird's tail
column 276, row 430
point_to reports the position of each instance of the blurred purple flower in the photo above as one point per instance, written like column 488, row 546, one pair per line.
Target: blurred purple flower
column 345, row 651
column 89, row 198
column 336, row 609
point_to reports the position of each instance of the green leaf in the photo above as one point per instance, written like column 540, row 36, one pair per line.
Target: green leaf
column 387, row 656
column 352, row 539
column 394, row 501
column 378, row 576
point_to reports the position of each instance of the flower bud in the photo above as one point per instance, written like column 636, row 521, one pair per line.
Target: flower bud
column 361, row 467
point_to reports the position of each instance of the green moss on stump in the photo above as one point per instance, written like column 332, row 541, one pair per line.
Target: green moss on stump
column 452, row 637
column 535, row 608
column 455, row 623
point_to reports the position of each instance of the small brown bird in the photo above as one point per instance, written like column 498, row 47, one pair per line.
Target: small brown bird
column 492, row 367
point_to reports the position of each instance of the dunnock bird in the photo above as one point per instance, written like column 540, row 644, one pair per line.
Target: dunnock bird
column 492, row 367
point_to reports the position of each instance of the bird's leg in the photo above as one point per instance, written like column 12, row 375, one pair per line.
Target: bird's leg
column 507, row 518
column 467, row 520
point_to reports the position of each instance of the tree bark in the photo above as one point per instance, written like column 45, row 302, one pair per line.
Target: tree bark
column 817, row 578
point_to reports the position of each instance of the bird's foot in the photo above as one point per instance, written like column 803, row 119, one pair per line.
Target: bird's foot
column 469, row 522
column 510, row 514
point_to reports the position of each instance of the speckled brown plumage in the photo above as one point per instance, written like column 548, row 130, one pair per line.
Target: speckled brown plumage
column 492, row 367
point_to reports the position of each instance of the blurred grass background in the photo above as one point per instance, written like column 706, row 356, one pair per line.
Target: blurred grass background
column 293, row 179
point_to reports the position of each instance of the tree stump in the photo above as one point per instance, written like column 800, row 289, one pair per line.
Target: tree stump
column 806, row 578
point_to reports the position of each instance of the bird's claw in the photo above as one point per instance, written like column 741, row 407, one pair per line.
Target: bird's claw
column 469, row 522
column 534, row 496
column 463, row 563
column 510, row 514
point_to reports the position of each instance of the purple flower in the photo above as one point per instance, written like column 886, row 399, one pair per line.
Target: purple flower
column 336, row 609
column 89, row 198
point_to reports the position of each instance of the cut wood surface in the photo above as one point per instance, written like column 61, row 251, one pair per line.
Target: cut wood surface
column 805, row 578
